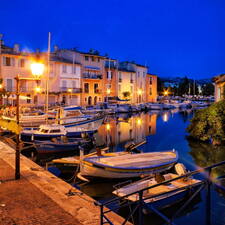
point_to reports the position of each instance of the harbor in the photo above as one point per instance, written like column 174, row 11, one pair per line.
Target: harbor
column 145, row 128
column 112, row 113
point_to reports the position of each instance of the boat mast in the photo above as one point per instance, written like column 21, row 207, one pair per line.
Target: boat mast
column 47, row 77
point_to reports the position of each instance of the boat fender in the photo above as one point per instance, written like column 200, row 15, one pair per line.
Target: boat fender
column 180, row 169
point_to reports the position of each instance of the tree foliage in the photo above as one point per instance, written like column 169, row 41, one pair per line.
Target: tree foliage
column 209, row 124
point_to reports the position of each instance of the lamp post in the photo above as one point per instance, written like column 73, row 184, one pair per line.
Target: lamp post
column 70, row 91
column 37, row 70
column 108, row 91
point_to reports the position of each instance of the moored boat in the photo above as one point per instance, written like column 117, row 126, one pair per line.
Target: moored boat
column 47, row 132
column 162, row 195
column 129, row 165
column 62, row 145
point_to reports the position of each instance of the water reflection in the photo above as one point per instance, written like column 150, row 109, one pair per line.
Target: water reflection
column 205, row 154
column 125, row 128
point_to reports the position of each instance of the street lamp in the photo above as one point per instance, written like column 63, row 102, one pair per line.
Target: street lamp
column 37, row 70
column 70, row 90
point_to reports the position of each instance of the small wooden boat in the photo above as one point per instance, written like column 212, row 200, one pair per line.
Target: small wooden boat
column 128, row 165
column 62, row 145
column 164, row 194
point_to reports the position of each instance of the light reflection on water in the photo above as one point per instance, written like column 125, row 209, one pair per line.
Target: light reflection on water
column 162, row 131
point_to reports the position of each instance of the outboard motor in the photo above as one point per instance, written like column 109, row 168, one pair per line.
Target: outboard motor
column 180, row 169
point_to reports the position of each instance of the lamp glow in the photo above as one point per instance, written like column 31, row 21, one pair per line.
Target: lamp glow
column 166, row 93
column 108, row 91
column 139, row 121
column 139, row 91
column 69, row 90
column 108, row 126
column 1, row 86
column 38, row 89
column 37, row 69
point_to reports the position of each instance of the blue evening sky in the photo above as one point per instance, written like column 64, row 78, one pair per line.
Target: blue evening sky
column 173, row 37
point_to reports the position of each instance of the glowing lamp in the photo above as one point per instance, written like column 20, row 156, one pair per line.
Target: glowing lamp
column 108, row 91
column 38, row 89
column 37, row 69
column 69, row 90
column 108, row 126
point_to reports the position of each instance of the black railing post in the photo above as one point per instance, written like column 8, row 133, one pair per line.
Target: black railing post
column 208, row 198
column 140, row 210
column 101, row 215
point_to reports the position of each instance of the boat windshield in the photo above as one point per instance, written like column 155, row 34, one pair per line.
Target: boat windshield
column 55, row 131
column 43, row 131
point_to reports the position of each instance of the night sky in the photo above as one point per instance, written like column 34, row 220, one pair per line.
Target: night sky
column 173, row 37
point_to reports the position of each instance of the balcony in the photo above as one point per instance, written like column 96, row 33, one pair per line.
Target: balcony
column 70, row 90
column 91, row 76
column 131, row 81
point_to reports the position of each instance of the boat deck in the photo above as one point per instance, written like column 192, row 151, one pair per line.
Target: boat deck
column 138, row 160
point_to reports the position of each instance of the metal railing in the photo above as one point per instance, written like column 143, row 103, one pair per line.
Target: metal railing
column 70, row 90
column 91, row 76
column 141, row 204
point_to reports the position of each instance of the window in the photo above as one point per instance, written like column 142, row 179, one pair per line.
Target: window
column 74, row 69
column 55, row 131
column 96, row 88
column 74, row 84
column 9, row 84
column 7, row 61
column 98, row 59
column 64, row 69
column 150, row 81
column 51, row 68
column 86, row 58
column 120, row 77
column 150, row 91
column 64, row 83
column 131, row 89
column 21, row 63
column 131, row 78
column 92, row 58
column 138, row 73
column 86, row 87
column 28, row 99
column 109, row 75
column 119, row 87
column 143, row 74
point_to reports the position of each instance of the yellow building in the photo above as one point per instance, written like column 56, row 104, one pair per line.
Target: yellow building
column 126, row 85
column 13, row 62
column 219, row 83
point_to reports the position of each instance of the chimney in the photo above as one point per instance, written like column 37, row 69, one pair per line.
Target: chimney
column 16, row 48
column 56, row 48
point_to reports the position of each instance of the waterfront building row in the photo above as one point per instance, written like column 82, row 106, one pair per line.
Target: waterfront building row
column 74, row 78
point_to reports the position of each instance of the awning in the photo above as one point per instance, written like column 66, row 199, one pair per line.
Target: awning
column 22, row 97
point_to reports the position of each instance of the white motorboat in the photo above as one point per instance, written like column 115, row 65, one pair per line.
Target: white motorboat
column 125, row 166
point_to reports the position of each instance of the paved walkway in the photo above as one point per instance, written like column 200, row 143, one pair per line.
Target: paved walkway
column 40, row 198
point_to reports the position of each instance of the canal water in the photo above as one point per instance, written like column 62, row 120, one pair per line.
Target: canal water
column 162, row 131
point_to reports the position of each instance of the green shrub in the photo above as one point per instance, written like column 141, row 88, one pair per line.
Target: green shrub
column 209, row 124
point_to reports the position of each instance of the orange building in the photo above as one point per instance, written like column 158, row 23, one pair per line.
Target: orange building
column 93, row 68
column 151, row 88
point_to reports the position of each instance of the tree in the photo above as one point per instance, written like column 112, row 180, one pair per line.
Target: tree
column 209, row 124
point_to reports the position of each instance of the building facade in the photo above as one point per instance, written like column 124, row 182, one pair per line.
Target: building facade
column 151, row 88
column 75, row 78
column 219, row 91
